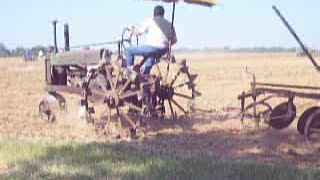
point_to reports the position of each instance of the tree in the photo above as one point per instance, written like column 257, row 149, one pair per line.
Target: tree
column 19, row 51
column 4, row 52
column 35, row 50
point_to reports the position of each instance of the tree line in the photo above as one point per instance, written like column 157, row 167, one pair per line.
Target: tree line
column 20, row 51
column 241, row 50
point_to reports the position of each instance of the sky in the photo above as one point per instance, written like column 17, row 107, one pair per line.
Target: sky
column 233, row 23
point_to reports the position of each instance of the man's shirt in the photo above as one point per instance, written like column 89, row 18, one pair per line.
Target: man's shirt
column 158, row 32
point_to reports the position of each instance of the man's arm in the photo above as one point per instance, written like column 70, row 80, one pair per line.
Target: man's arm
column 140, row 30
column 136, row 31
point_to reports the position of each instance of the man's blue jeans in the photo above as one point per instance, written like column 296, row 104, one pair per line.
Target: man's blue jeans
column 149, row 53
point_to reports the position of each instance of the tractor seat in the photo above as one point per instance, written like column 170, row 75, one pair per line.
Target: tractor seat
column 157, row 57
column 166, row 57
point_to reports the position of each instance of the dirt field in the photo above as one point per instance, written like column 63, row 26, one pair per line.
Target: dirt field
column 221, row 78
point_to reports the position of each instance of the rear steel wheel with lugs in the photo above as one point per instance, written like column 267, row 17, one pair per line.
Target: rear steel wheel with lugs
column 176, row 89
column 118, row 97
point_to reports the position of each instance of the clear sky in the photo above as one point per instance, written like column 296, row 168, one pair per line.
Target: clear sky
column 234, row 23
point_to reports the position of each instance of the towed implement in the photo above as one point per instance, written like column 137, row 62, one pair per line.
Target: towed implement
column 282, row 115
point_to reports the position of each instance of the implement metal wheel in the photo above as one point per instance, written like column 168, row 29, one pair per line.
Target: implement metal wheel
column 262, row 112
column 176, row 89
column 312, row 127
column 304, row 118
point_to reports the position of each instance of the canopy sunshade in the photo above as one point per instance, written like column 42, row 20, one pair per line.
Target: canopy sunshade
column 198, row 2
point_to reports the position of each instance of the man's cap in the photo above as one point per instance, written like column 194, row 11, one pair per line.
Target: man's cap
column 158, row 11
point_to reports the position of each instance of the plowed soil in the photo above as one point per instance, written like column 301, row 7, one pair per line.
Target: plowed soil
column 222, row 77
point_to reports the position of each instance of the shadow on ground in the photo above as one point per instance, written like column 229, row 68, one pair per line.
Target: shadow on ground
column 177, row 150
column 126, row 161
column 220, row 135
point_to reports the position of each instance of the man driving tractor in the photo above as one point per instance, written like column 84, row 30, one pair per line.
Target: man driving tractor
column 158, row 34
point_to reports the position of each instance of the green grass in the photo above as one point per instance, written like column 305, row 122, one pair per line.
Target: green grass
column 70, row 160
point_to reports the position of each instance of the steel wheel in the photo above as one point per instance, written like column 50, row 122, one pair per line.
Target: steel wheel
column 118, row 97
column 175, row 89
column 50, row 105
column 304, row 117
column 312, row 127
column 263, row 110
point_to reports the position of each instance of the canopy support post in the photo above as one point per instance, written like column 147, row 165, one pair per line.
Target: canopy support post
column 170, row 43
column 171, row 30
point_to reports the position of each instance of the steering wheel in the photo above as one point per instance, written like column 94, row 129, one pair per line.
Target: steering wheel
column 126, row 41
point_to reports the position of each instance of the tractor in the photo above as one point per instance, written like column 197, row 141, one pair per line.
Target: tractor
column 100, row 77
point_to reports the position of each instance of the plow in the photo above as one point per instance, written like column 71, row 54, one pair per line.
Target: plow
column 127, row 97
column 282, row 115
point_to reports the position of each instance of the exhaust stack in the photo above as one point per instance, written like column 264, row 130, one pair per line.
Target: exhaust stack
column 66, row 38
column 54, row 23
